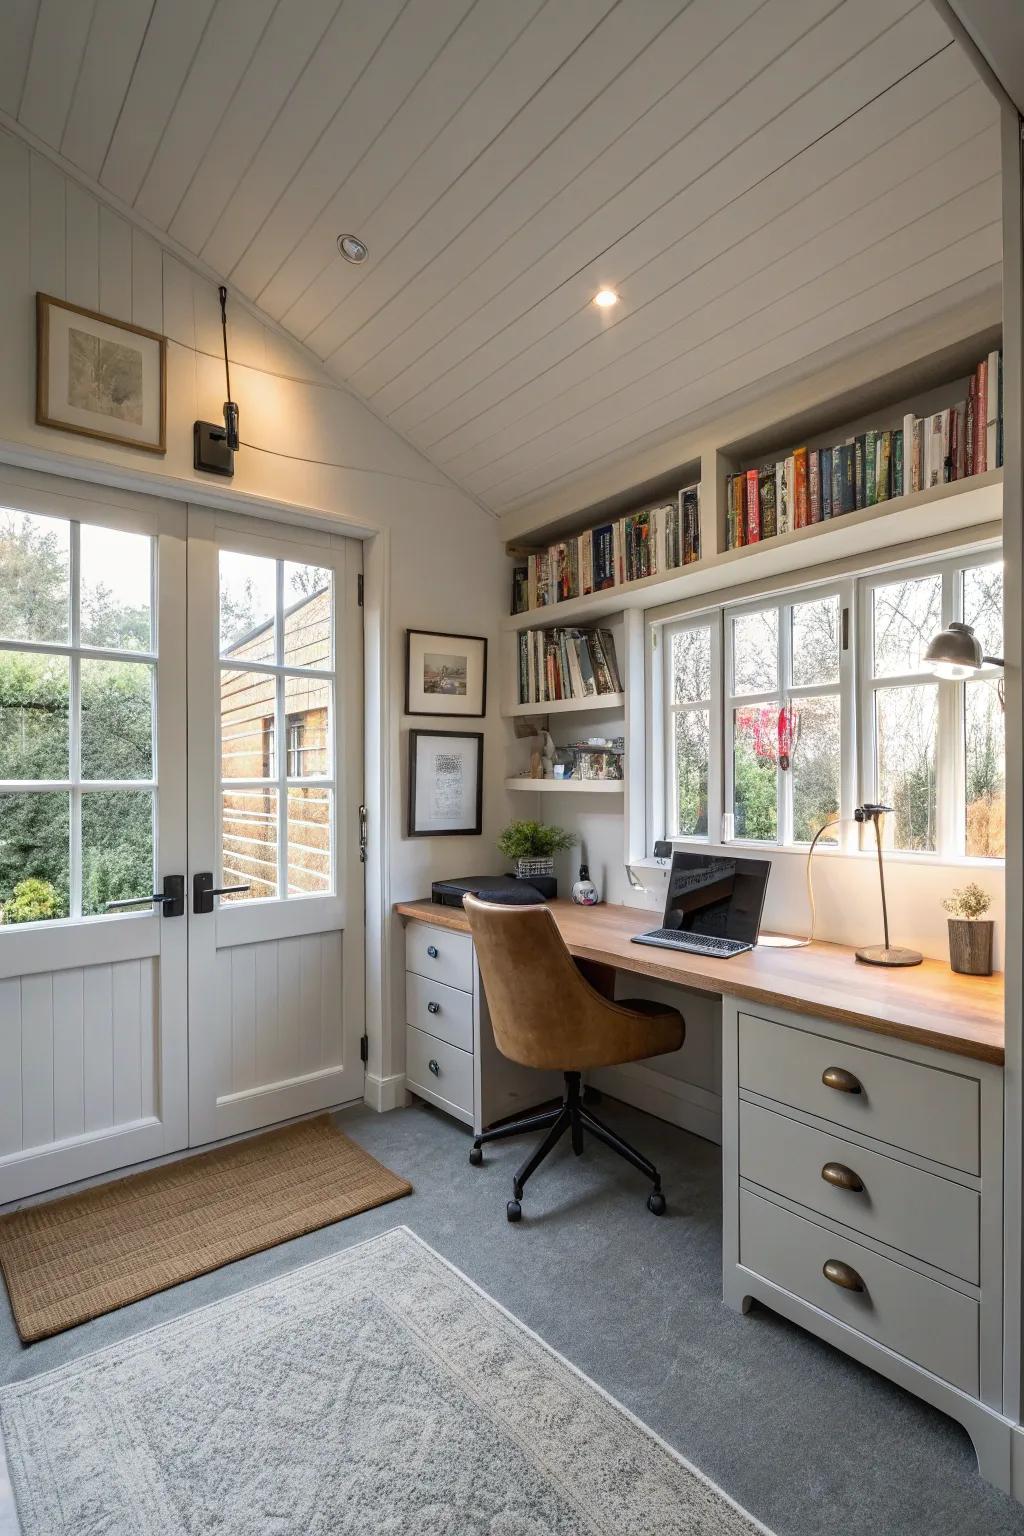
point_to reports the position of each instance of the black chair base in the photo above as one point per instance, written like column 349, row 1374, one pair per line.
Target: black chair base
column 573, row 1116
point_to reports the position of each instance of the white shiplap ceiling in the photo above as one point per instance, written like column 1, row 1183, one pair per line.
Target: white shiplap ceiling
column 759, row 179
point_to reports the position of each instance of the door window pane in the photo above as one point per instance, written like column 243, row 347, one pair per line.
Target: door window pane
column 35, row 589
column 309, row 841
column 983, row 605
column 249, row 843
column 117, row 719
column 755, row 656
column 307, row 710
column 815, row 634
column 691, row 665
column 755, row 739
column 307, row 616
column 247, row 724
column 116, row 570
column 984, row 763
column 692, row 756
column 117, row 848
column 35, row 856
column 815, row 766
column 906, row 736
column 906, row 614
column 33, row 716
column 248, row 595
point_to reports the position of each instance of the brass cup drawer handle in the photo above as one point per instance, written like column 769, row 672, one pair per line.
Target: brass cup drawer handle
column 842, row 1177
column 841, row 1080
column 842, row 1275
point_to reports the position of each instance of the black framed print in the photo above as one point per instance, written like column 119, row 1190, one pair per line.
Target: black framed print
column 446, row 783
column 445, row 674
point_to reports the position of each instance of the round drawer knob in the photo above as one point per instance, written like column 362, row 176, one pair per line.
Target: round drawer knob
column 432, row 951
column 841, row 1080
column 842, row 1275
column 843, row 1177
column 433, row 1007
column 432, row 1064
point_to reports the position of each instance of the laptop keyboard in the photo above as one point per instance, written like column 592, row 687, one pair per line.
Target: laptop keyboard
column 693, row 943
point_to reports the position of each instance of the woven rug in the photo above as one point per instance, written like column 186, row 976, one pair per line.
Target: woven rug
column 376, row 1391
column 75, row 1258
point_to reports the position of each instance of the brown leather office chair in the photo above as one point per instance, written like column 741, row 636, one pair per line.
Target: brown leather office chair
column 546, row 1014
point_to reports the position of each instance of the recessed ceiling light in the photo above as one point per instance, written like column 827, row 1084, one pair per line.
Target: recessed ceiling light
column 352, row 248
column 604, row 298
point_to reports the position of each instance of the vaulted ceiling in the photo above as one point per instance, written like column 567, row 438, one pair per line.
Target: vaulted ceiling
column 758, row 179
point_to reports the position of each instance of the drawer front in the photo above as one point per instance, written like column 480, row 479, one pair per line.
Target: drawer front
column 440, row 955
column 929, row 1323
column 922, row 1214
column 439, row 1070
column 439, row 1010
column 924, row 1109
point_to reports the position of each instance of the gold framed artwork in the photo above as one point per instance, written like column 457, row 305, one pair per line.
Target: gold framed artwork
column 100, row 377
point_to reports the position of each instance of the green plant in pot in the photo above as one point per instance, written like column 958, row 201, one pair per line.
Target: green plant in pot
column 970, row 932
column 531, row 847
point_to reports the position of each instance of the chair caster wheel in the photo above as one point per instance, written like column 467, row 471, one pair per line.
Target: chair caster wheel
column 476, row 1156
column 656, row 1203
column 514, row 1210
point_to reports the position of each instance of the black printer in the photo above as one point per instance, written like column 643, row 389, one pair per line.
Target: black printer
column 449, row 893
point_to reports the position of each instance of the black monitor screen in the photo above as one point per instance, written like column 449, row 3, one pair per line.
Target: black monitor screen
column 718, row 896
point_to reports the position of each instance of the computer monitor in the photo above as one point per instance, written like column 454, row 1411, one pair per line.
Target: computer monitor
column 716, row 895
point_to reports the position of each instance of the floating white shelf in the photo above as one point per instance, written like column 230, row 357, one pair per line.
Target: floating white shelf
column 568, row 706
column 569, row 786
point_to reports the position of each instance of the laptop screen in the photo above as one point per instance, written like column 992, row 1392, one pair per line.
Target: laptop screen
column 719, row 896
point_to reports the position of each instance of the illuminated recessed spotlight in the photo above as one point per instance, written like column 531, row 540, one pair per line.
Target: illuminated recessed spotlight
column 352, row 248
column 604, row 298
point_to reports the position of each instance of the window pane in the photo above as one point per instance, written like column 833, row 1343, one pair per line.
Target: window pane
column 984, row 730
column 33, row 716
column 249, row 842
column 35, row 858
column 755, row 752
column 906, row 616
column 692, row 749
column 117, row 720
column 248, row 597
column 247, row 727
column 755, row 655
column 906, row 734
column 816, row 642
column 117, row 847
column 691, row 665
column 115, row 589
column 307, row 719
column 815, row 766
column 34, row 581
column 983, row 605
column 307, row 616
column 309, row 842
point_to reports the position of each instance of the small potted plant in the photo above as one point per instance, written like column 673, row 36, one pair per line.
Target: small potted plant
column 531, row 846
column 970, row 932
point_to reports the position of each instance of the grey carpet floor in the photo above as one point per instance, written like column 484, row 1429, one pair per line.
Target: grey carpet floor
column 805, row 1439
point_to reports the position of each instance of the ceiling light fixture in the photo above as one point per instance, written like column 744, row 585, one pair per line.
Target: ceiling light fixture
column 604, row 298
column 352, row 248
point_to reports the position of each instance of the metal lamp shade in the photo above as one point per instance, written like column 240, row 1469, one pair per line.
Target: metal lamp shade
column 954, row 652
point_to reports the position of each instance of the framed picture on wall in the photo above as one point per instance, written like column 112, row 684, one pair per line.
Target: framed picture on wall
column 445, row 674
column 446, row 783
column 100, row 377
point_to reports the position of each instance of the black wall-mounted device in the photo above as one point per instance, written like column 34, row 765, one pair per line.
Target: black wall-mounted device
column 214, row 447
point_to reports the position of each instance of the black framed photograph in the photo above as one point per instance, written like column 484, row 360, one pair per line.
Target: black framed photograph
column 445, row 674
column 446, row 783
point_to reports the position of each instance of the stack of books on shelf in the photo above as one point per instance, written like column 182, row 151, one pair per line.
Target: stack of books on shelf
column 816, row 484
column 640, row 544
column 559, row 664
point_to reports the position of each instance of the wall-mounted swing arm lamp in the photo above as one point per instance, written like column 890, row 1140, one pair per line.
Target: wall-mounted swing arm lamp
column 213, row 446
column 956, row 652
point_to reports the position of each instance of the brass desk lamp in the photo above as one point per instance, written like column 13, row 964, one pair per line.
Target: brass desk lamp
column 882, row 954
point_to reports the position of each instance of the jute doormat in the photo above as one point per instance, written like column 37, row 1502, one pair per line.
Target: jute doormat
column 90, row 1253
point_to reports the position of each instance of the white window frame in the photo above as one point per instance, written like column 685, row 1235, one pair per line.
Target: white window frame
column 711, row 620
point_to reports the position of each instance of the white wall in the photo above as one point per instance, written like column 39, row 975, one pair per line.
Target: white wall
column 308, row 444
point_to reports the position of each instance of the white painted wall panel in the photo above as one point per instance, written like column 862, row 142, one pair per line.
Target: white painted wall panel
column 17, row 28
column 115, row 38
column 83, row 248
column 10, row 1066
column 57, row 47
column 115, row 281
column 68, row 1054
column 48, row 228
column 36, row 1060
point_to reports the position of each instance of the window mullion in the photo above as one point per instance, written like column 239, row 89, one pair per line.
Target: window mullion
column 949, row 773
column 281, row 743
column 75, row 725
column 784, row 776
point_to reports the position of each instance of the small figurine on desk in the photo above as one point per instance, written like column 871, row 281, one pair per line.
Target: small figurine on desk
column 585, row 892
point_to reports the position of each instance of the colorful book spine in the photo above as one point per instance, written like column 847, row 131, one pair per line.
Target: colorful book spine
column 813, row 486
column 826, row 484
column 767, row 506
column 753, row 510
column 801, row 501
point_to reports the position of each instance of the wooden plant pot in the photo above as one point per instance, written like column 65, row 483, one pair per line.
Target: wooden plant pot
column 970, row 945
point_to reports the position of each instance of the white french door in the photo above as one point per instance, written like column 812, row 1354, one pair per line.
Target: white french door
column 275, row 705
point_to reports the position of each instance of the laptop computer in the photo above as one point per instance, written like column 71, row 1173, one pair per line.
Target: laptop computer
column 713, row 905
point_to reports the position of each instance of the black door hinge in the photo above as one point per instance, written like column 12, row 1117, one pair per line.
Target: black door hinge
column 364, row 1049
column 359, row 589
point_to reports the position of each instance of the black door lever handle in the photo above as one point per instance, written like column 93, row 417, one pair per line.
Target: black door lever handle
column 204, row 890
column 172, row 896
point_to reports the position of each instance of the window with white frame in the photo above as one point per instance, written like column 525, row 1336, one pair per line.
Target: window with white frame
column 785, row 712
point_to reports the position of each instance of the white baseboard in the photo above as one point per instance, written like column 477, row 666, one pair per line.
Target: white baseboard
column 384, row 1093
column 682, row 1104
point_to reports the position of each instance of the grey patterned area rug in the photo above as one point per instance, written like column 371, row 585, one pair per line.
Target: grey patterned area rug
column 374, row 1393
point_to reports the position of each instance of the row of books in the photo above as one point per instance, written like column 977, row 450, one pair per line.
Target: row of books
column 566, row 664
column 813, row 485
column 640, row 544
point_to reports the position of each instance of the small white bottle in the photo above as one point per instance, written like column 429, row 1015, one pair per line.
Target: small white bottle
column 585, row 892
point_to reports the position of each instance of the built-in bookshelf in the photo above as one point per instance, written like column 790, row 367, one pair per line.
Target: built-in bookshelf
column 568, row 786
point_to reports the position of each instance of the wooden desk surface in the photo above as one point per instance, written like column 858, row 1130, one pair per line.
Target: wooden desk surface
column 925, row 1003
